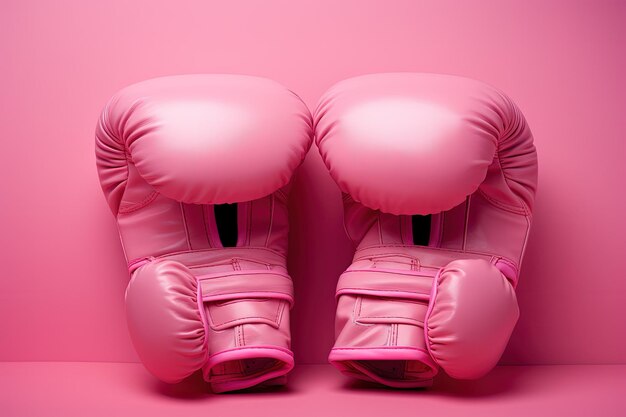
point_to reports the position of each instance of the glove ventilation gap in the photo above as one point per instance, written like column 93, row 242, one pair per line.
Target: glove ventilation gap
column 420, row 226
column 226, row 221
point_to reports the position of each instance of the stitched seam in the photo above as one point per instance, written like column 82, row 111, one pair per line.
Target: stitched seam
column 435, row 240
column 284, row 350
column 211, row 226
column 279, row 316
column 391, row 317
column 346, row 197
column 137, row 206
column 222, row 323
column 396, row 333
column 442, row 224
column 184, row 219
column 246, row 292
column 385, row 256
column 238, row 329
column 235, row 338
column 467, row 214
column 503, row 206
column 388, row 255
column 394, row 271
column 277, row 311
column 356, row 310
column 206, row 226
column 269, row 229
column 506, row 261
column 261, row 248
column 525, row 237
column 430, row 248
column 229, row 262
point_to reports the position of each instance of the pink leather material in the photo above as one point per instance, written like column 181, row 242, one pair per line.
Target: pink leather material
column 243, row 284
column 164, row 323
column 472, row 313
column 385, row 283
column 238, row 138
column 448, row 134
column 406, row 144
column 168, row 151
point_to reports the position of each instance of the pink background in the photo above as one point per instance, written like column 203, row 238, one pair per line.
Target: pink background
column 63, row 273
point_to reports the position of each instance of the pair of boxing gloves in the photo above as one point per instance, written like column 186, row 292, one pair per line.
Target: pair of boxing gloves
column 438, row 175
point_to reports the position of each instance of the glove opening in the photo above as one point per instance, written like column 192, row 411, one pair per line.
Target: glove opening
column 238, row 369
column 393, row 373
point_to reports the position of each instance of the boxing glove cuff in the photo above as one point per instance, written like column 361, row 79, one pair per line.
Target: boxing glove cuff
column 381, row 314
column 251, row 313
column 402, row 314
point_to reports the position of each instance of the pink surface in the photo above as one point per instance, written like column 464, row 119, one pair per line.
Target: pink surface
column 99, row 389
column 63, row 272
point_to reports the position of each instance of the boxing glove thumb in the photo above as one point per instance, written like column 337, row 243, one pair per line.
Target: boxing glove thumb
column 471, row 315
column 164, row 320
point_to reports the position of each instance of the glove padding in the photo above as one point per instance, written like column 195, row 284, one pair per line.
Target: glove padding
column 209, row 286
column 439, row 176
column 164, row 321
column 470, row 318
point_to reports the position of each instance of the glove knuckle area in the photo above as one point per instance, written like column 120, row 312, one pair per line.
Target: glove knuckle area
column 471, row 318
column 409, row 129
column 164, row 321
column 210, row 138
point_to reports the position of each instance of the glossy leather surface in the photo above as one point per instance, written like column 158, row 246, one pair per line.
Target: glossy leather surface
column 169, row 150
column 460, row 151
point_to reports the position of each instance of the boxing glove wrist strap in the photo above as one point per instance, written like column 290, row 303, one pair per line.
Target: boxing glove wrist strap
column 224, row 286
column 413, row 285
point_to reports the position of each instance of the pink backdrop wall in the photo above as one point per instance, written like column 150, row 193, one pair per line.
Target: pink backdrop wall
column 61, row 265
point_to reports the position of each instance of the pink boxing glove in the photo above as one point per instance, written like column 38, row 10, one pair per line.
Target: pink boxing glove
column 439, row 175
column 196, row 170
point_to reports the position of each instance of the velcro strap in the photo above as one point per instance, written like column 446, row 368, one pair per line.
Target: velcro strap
column 233, row 285
column 412, row 285
column 377, row 310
